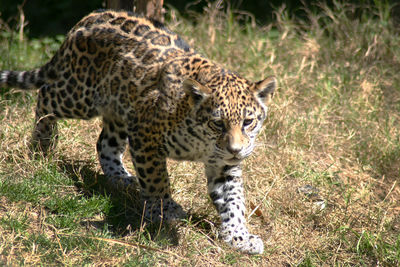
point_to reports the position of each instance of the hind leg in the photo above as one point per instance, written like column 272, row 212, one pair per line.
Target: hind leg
column 44, row 135
column 110, row 148
column 55, row 102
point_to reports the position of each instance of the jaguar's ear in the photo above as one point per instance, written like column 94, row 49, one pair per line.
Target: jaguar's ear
column 264, row 89
column 197, row 92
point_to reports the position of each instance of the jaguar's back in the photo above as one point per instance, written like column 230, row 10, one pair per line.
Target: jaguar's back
column 157, row 94
column 103, row 38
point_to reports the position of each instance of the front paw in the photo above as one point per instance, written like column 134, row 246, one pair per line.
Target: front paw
column 245, row 242
column 129, row 185
column 251, row 244
column 166, row 210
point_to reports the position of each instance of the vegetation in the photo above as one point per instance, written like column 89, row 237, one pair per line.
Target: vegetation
column 322, row 186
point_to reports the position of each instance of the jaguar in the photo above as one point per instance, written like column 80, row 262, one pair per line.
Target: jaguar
column 160, row 98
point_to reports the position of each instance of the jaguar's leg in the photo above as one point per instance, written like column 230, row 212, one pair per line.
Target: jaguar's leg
column 151, row 169
column 225, row 188
column 55, row 101
column 110, row 148
column 44, row 136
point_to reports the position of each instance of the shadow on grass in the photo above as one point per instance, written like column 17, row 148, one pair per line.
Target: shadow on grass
column 125, row 216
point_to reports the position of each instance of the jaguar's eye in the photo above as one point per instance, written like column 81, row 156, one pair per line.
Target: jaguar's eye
column 247, row 122
column 218, row 123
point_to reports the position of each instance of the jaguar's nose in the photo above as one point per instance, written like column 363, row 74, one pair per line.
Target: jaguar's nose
column 234, row 144
column 234, row 149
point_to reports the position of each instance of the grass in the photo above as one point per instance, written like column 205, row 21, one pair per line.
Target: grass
column 333, row 126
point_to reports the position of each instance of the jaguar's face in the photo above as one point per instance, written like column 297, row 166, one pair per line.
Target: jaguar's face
column 232, row 115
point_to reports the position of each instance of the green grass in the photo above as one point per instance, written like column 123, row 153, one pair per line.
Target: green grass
column 333, row 125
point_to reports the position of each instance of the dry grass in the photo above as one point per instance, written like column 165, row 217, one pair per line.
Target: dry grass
column 334, row 125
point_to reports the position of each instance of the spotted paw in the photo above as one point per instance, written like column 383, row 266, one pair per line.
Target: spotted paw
column 247, row 243
column 123, row 183
column 170, row 211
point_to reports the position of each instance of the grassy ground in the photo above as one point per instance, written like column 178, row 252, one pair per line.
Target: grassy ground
column 334, row 126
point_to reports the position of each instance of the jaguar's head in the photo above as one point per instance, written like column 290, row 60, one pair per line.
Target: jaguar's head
column 232, row 111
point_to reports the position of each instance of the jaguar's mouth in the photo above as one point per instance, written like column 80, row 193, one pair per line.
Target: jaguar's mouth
column 233, row 161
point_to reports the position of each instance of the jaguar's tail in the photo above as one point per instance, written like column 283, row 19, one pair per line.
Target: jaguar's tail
column 23, row 79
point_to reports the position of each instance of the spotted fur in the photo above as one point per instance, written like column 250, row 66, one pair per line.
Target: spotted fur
column 158, row 95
